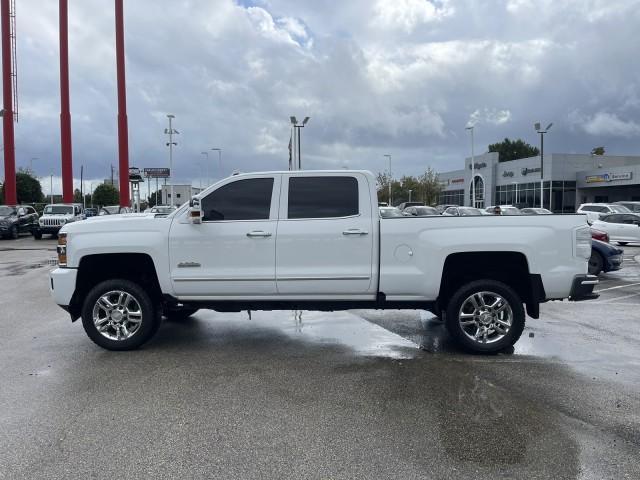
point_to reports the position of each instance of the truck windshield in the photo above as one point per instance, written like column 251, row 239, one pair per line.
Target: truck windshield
column 58, row 210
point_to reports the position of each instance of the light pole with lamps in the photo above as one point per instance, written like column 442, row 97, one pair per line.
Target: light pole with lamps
column 51, row 187
column 297, row 127
column 389, row 157
column 410, row 195
column 473, row 167
column 206, row 154
column 542, row 132
column 171, row 132
column 219, row 150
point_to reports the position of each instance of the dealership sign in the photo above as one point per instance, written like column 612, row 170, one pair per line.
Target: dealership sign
column 506, row 174
column 477, row 166
column 527, row 171
column 609, row 177
column 157, row 173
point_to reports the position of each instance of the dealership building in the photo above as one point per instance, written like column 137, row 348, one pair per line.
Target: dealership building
column 569, row 180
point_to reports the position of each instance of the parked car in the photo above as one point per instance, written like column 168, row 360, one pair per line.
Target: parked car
column 604, row 257
column 535, row 211
column 594, row 211
column 462, row 212
column 90, row 212
column 504, row 210
column 442, row 208
column 633, row 206
column 161, row 209
column 239, row 245
column 388, row 212
column 55, row 216
column 17, row 220
column 404, row 205
column 114, row 210
column 419, row 211
column 599, row 235
column 622, row 227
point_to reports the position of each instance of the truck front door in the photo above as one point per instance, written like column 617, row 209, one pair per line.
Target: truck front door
column 231, row 253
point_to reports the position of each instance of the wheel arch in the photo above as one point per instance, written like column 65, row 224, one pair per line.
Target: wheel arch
column 511, row 268
column 93, row 269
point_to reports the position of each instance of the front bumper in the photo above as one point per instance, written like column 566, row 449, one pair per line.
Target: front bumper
column 62, row 284
column 582, row 288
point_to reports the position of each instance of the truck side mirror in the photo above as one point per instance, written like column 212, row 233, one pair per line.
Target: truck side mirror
column 195, row 211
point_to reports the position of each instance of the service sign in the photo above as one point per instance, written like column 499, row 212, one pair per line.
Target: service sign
column 609, row 177
column 157, row 173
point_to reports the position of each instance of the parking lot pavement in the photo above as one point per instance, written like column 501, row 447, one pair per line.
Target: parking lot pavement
column 316, row 395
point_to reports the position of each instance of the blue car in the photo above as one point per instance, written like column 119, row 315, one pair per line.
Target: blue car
column 604, row 257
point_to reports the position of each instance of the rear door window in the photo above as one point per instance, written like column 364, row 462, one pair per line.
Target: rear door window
column 322, row 197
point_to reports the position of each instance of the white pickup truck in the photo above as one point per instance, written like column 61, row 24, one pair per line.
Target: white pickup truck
column 314, row 240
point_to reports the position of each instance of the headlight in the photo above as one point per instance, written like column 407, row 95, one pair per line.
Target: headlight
column 62, row 221
column 583, row 243
column 62, row 249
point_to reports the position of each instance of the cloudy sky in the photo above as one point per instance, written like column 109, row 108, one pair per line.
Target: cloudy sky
column 401, row 77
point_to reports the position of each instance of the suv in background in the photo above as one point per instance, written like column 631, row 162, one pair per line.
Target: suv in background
column 17, row 220
column 55, row 216
column 595, row 211
column 631, row 205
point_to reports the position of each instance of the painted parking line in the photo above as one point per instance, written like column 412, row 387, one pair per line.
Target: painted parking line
column 615, row 288
column 611, row 300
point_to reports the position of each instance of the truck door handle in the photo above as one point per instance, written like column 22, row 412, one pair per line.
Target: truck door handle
column 258, row 233
column 355, row 231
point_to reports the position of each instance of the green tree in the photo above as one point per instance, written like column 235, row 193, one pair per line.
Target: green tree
column 597, row 151
column 431, row 187
column 77, row 196
column 151, row 200
column 513, row 150
column 105, row 194
column 28, row 188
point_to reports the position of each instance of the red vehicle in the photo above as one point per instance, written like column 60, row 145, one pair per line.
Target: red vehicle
column 599, row 235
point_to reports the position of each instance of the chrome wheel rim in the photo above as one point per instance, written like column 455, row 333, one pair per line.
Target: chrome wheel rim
column 117, row 315
column 485, row 317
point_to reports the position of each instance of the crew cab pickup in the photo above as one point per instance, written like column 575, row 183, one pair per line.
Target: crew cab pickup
column 314, row 240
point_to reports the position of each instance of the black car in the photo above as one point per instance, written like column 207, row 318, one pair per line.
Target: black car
column 90, row 212
column 604, row 257
column 17, row 220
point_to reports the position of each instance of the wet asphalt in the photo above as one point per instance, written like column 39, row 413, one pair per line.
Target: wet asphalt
column 361, row 394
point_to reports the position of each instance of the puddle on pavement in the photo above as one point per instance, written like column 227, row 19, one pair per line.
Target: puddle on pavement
column 333, row 328
column 13, row 269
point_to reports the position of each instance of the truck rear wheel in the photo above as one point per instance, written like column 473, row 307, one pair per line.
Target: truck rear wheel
column 485, row 316
column 119, row 315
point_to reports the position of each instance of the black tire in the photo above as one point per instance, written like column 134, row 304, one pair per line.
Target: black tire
column 37, row 234
column 179, row 314
column 456, row 330
column 13, row 232
column 623, row 243
column 150, row 315
column 596, row 263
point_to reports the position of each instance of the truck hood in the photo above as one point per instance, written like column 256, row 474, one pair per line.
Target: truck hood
column 130, row 222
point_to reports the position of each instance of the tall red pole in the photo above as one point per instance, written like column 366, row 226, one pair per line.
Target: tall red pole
column 123, row 134
column 7, row 119
column 65, row 113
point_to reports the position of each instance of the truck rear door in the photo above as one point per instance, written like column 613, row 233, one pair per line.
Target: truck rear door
column 325, row 239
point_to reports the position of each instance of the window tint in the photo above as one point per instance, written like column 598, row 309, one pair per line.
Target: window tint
column 613, row 219
column 323, row 197
column 240, row 200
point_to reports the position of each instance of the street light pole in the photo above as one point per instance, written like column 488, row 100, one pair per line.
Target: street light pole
column 410, row 195
column 206, row 154
column 542, row 132
column 171, row 131
column 219, row 150
column 390, row 181
column 297, row 127
column 473, row 168
column 51, row 187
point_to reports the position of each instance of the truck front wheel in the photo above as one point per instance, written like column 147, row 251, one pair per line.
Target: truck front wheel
column 485, row 316
column 119, row 315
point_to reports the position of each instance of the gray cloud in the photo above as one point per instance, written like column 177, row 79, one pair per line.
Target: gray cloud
column 386, row 76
